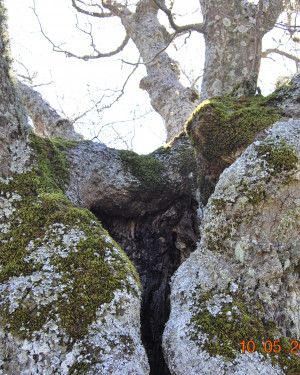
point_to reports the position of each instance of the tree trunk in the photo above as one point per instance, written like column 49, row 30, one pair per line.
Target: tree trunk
column 147, row 202
column 14, row 155
column 233, row 32
column 169, row 97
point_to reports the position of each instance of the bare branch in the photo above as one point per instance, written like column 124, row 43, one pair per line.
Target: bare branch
column 272, row 10
column 289, row 28
column 96, row 54
column 268, row 51
column 96, row 105
column 194, row 27
column 92, row 14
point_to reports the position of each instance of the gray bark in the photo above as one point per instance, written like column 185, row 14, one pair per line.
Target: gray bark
column 233, row 32
column 169, row 97
column 14, row 155
column 248, row 256
column 100, row 180
column 47, row 122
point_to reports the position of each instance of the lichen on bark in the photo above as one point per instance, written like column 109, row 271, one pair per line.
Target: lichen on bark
column 59, row 268
column 237, row 285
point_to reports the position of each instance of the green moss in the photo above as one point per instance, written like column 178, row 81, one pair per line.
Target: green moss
column 254, row 193
column 222, row 125
column 146, row 168
column 87, row 360
column 93, row 281
column 53, row 165
column 80, row 368
column 219, row 204
column 64, row 144
column 38, row 206
column 283, row 92
column 279, row 156
column 176, row 137
column 216, row 240
column 237, row 322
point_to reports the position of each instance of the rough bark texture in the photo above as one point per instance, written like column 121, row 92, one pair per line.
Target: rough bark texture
column 69, row 296
column 242, row 283
column 233, row 124
column 14, row 155
column 286, row 98
column 233, row 32
column 153, row 219
column 46, row 121
column 122, row 183
column 169, row 97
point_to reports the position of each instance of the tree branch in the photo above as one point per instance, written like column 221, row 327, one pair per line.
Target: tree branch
column 272, row 10
column 194, row 27
column 107, row 106
column 172, row 37
column 92, row 14
column 47, row 122
column 279, row 52
column 92, row 56
column 101, row 178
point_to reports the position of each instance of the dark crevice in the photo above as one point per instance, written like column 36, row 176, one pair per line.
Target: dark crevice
column 156, row 244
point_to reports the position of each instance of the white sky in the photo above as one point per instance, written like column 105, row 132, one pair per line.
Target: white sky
column 73, row 79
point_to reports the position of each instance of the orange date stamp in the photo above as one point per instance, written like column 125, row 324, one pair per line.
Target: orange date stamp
column 270, row 346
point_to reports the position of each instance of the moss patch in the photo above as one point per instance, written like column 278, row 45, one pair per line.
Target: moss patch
column 227, row 321
column 40, row 216
column 222, row 125
column 53, row 165
column 255, row 193
column 279, row 156
column 219, row 204
column 146, row 168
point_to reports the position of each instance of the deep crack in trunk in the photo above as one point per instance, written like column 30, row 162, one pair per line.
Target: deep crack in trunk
column 156, row 244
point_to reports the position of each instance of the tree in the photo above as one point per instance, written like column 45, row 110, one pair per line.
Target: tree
column 233, row 33
column 120, row 187
column 148, row 203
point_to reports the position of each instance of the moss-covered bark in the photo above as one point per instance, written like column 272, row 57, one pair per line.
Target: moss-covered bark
column 221, row 128
column 37, row 210
column 58, row 269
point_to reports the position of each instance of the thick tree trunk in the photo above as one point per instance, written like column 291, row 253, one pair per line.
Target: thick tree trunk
column 233, row 33
column 147, row 202
column 14, row 155
column 169, row 97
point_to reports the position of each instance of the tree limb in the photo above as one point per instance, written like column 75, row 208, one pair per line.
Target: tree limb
column 96, row 54
column 92, row 14
column 101, row 179
column 47, row 122
column 272, row 10
column 279, row 52
column 194, row 27
column 172, row 37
